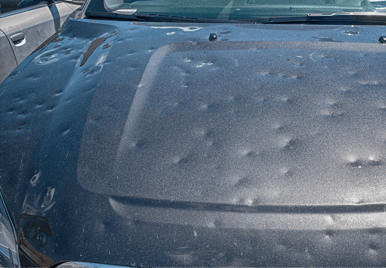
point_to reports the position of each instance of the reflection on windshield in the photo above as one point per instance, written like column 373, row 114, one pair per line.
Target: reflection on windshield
column 243, row 9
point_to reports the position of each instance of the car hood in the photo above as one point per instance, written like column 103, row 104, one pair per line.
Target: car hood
column 148, row 138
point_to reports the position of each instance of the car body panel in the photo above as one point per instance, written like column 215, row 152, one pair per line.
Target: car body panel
column 7, row 55
column 26, row 29
column 76, row 110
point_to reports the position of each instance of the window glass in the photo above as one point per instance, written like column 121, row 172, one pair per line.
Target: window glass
column 12, row 5
column 244, row 9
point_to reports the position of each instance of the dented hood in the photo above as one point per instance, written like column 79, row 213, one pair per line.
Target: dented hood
column 141, row 131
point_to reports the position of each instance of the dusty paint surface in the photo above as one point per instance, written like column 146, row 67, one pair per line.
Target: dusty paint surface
column 146, row 144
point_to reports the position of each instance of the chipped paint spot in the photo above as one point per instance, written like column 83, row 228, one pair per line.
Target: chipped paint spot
column 96, row 43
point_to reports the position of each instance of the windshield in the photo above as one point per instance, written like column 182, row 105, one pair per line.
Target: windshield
column 241, row 9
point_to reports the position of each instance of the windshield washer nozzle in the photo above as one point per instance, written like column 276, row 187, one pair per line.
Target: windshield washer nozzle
column 213, row 37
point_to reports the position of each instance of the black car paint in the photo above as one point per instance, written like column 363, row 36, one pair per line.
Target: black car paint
column 62, row 122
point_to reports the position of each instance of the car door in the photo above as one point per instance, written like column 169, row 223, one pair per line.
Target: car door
column 7, row 56
column 29, row 26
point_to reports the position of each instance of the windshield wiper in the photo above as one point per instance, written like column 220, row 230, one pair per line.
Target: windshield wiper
column 158, row 18
column 349, row 17
column 377, row 18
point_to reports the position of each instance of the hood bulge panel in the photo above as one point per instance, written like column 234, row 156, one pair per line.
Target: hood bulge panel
column 252, row 123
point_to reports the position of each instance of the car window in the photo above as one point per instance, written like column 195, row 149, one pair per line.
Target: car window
column 7, row 6
column 243, row 9
column 28, row 3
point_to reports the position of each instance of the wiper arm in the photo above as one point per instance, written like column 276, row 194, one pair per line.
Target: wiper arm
column 377, row 18
column 327, row 18
column 349, row 17
column 136, row 16
column 168, row 18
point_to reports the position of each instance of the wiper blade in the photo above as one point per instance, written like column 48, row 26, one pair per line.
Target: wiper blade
column 157, row 18
column 274, row 20
column 327, row 18
column 378, row 18
column 169, row 18
column 349, row 17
